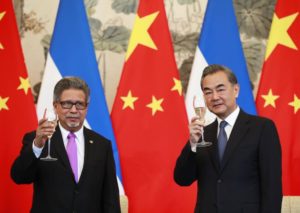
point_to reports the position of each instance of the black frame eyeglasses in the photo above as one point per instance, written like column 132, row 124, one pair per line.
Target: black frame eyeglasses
column 79, row 105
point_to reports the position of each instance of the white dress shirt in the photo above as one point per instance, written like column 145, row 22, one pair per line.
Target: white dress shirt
column 231, row 119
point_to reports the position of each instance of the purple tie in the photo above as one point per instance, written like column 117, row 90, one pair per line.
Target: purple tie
column 72, row 154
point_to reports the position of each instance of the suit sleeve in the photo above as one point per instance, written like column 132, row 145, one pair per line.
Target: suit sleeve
column 185, row 171
column 24, row 167
column 270, row 169
column 111, row 200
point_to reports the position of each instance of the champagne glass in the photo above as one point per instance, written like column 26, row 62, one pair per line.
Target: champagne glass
column 200, row 110
column 51, row 117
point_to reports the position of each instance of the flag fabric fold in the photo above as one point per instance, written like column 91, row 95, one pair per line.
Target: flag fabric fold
column 149, row 117
column 278, row 95
column 17, row 111
column 72, row 54
column 219, row 43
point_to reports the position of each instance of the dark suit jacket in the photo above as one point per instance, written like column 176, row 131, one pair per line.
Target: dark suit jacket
column 55, row 189
column 249, row 178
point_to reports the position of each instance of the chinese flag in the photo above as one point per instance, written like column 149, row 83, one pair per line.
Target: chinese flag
column 279, row 91
column 17, row 112
column 149, row 117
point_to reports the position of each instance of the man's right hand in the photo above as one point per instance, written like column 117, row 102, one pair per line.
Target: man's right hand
column 45, row 129
column 196, row 129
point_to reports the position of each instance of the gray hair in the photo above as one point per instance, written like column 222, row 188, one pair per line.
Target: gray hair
column 71, row 83
column 214, row 68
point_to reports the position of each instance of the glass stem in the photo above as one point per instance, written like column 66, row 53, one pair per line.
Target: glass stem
column 49, row 141
column 203, row 134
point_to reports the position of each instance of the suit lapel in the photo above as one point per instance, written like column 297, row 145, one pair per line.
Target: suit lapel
column 58, row 145
column 61, row 151
column 88, row 146
column 239, row 130
column 210, row 134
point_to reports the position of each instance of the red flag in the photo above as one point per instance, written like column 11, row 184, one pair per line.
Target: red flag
column 149, row 117
column 17, row 112
column 278, row 95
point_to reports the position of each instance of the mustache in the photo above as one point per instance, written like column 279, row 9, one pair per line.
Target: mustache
column 72, row 116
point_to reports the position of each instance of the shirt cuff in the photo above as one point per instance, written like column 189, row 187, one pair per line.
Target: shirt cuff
column 36, row 150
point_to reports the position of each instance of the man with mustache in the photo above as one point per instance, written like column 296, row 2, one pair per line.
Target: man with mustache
column 81, row 180
column 241, row 171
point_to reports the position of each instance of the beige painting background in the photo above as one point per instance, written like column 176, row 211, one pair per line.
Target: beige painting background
column 111, row 22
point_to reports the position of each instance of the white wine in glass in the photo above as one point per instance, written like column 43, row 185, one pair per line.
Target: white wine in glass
column 51, row 117
column 200, row 110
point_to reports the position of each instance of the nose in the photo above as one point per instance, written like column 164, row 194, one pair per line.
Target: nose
column 215, row 95
column 73, row 108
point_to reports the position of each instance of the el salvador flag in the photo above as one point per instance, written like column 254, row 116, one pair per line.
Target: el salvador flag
column 219, row 43
column 72, row 54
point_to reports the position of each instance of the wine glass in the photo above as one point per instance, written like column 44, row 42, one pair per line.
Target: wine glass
column 200, row 110
column 51, row 117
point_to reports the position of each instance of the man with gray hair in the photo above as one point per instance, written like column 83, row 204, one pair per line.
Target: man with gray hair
column 81, row 177
column 241, row 170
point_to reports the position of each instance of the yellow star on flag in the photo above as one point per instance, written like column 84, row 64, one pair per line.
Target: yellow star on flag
column 155, row 105
column 279, row 33
column 25, row 85
column 177, row 86
column 270, row 99
column 3, row 103
column 1, row 16
column 128, row 100
column 295, row 103
column 140, row 34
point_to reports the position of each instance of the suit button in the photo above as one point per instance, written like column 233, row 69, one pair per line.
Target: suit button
column 76, row 191
column 219, row 181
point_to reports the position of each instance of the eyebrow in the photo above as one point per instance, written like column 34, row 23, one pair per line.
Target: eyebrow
column 217, row 87
column 73, row 101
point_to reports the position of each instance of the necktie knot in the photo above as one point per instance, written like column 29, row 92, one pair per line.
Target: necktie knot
column 71, row 135
column 223, row 124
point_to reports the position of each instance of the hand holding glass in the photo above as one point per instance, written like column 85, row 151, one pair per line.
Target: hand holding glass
column 51, row 117
column 200, row 110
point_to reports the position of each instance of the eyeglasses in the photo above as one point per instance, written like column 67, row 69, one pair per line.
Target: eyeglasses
column 69, row 104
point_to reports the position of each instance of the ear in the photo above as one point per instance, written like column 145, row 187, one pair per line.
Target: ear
column 55, row 105
column 236, row 90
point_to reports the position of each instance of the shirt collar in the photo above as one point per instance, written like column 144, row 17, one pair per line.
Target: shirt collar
column 65, row 132
column 231, row 118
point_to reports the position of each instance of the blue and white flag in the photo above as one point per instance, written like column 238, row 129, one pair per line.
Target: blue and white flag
column 219, row 43
column 72, row 54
